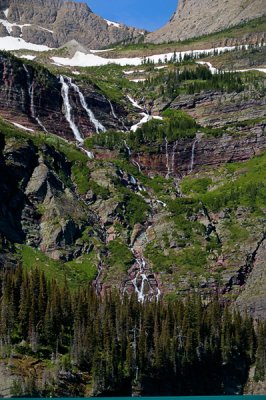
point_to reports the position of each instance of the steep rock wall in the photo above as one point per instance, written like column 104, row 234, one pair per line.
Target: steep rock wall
column 196, row 18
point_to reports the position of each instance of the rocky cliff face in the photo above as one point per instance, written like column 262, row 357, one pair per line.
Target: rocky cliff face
column 181, row 157
column 35, row 200
column 34, row 97
column 56, row 22
column 194, row 18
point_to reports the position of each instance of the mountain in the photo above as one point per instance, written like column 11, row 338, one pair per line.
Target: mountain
column 195, row 18
column 132, row 213
column 56, row 22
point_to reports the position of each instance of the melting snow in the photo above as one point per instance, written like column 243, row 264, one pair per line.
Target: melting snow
column 101, row 51
column 111, row 23
column 128, row 72
column 89, row 60
column 215, row 70
column 9, row 26
column 27, row 57
column 22, row 127
column 6, row 12
column 11, row 43
column 252, row 69
column 138, row 80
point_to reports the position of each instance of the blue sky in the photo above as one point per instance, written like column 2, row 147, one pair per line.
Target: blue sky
column 148, row 14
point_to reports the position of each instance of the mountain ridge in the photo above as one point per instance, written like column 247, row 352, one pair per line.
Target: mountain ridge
column 56, row 22
column 190, row 20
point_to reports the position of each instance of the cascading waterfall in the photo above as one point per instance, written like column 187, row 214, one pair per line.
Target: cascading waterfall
column 112, row 110
column 141, row 278
column 134, row 162
column 132, row 179
column 127, row 148
column 31, row 95
column 68, row 109
column 98, row 126
column 141, row 282
column 193, row 155
column 89, row 153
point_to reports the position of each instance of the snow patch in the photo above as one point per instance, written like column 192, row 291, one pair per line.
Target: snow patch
column 27, row 57
column 11, row 43
column 252, row 69
column 75, row 73
column 6, row 12
column 111, row 23
column 214, row 70
column 101, row 51
column 22, row 127
column 138, row 80
column 90, row 60
column 9, row 26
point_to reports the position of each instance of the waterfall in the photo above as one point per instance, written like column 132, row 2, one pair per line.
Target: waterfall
column 132, row 180
column 89, row 153
column 31, row 95
column 193, row 155
column 137, row 165
column 98, row 126
column 173, row 158
column 127, row 147
column 68, row 109
column 161, row 202
column 167, row 159
column 141, row 279
column 112, row 110
column 139, row 289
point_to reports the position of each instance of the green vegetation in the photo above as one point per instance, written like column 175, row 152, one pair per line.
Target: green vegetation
column 243, row 184
column 119, row 255
column 198, row 185
column 257, row 25
column 78, row 272
column 136, row 209
column 80, row 173
column 85, row 335
column 174, row 125
column 109, row 79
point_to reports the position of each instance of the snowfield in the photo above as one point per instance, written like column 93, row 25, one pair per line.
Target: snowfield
column 12, row 43
column 27, row 57
column 92, row 60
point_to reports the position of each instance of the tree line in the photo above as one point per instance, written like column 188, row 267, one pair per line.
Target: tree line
column 170, row 347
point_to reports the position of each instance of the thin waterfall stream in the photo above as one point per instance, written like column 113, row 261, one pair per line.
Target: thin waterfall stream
column 31, row 95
